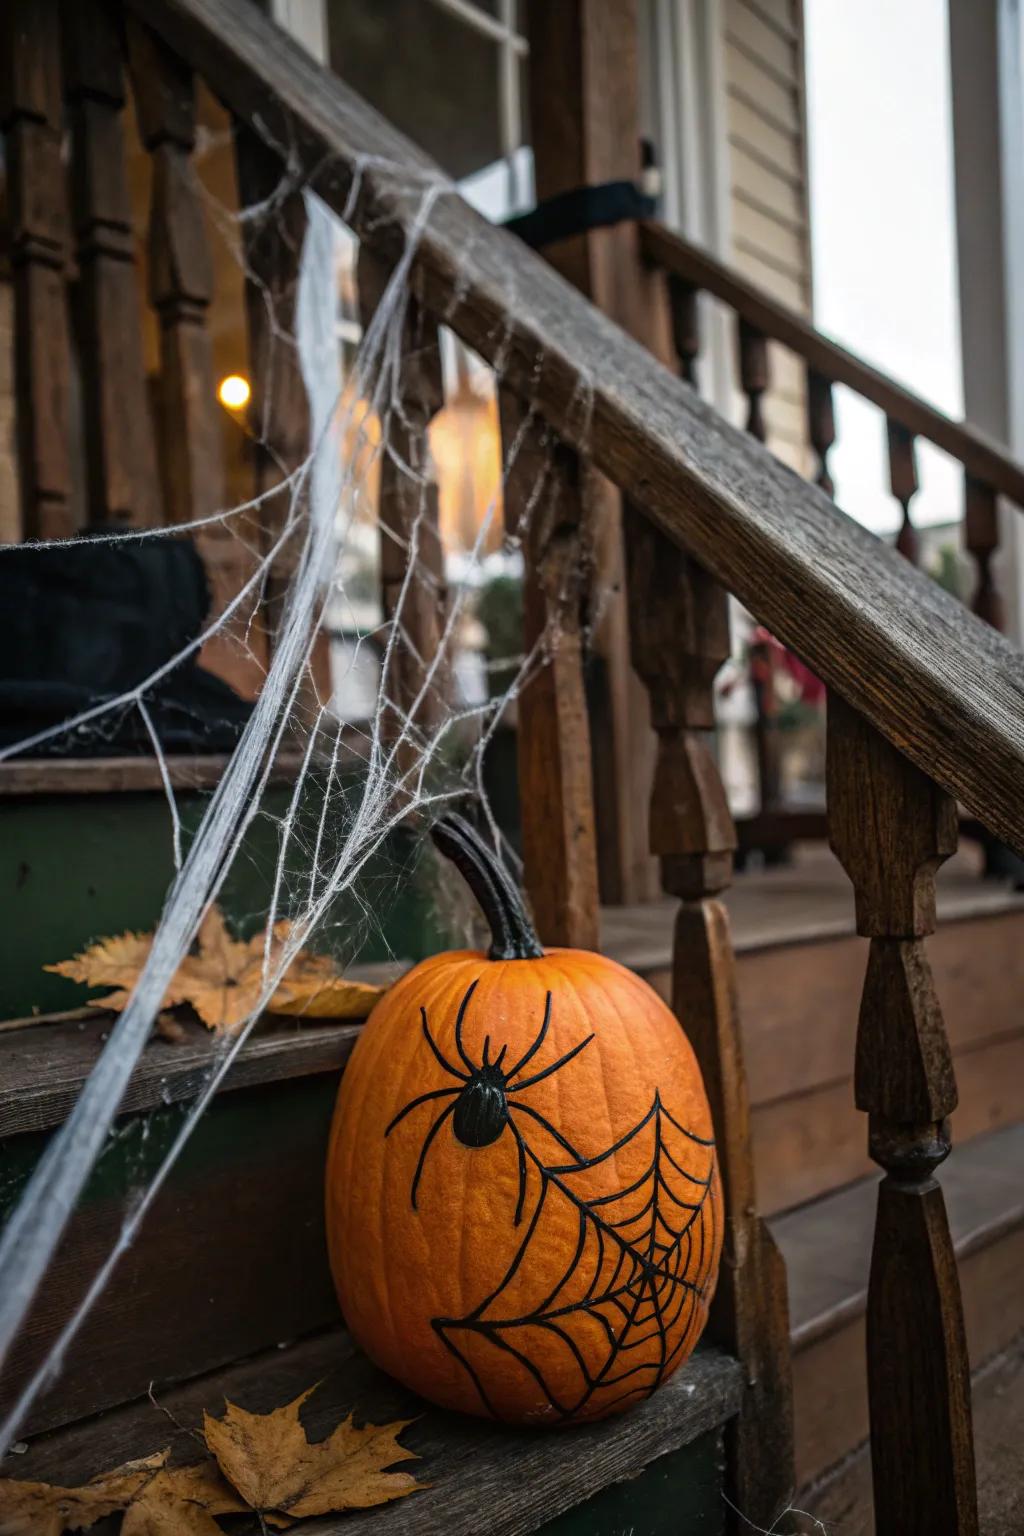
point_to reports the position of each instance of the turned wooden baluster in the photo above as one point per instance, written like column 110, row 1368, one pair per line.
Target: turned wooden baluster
column 180, row 282
column 119, row 440
column 272, row 232
column 904, row 484
column 684, row 305
column 754, row 377
column 31, row 118
column 413, row 590
column 891, row 827
column 821, row 426
column 680, row 638
column 981, row 535
column 545, row 508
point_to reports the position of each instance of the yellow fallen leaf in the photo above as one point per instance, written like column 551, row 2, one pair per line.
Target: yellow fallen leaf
column 335, row 999
column 37, row 1509
column 274, row 1467
column 182, row 1501
column 223, row 980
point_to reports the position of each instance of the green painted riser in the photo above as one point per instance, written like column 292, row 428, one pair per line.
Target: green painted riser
column 233, row 1247
column 678, row 1495
column 74, row 868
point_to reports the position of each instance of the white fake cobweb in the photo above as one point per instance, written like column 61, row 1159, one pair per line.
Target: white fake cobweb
column 406, row 772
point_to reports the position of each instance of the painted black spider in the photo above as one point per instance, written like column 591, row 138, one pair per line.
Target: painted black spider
column 482, row 1103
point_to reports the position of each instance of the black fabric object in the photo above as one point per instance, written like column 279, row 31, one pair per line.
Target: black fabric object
column 83, row 625
column 581, row 208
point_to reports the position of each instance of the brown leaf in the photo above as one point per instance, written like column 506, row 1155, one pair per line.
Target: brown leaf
column 37, row 1509
column 269, row 1460
column 223, row 980
column 182, row 1501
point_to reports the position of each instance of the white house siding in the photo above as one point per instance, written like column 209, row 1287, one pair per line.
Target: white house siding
column 770, row 235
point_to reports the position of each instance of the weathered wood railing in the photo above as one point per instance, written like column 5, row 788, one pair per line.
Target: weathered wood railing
column 928, row 702
column 988, row 472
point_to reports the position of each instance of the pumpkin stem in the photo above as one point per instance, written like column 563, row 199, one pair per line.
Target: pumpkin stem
column 513, row 936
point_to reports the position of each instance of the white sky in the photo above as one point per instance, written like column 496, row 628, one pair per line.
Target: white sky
column 883, row 230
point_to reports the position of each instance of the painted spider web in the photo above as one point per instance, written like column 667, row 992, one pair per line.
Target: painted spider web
column 638, row 1280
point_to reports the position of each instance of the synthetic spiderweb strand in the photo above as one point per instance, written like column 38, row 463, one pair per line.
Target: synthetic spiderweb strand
column 322, row 497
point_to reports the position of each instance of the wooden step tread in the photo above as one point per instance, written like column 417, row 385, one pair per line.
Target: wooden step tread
column 827, row 1243
column 827, row 1248
column 483, row 1477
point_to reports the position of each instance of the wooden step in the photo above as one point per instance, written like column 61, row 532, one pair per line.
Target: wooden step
column 800, row 975
column 842, row 1500
column 827, row 1248
column 483, row 1477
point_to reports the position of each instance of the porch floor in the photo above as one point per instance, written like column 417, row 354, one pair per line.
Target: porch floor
column 810, row 898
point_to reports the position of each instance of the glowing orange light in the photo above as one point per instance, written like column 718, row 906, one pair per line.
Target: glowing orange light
column 233, row 392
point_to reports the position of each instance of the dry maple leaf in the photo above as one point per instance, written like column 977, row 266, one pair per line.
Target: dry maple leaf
column 182, row 1501
column 223, row 980
column 37, row 1509
column 274, row 1467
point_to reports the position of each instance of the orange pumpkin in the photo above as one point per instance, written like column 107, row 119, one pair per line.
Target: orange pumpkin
column 524, row 1212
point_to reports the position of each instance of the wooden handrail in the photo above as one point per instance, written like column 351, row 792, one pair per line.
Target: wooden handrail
column 941, row 686
column 980, row 456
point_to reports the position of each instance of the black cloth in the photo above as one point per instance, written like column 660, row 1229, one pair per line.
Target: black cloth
column 85, row 624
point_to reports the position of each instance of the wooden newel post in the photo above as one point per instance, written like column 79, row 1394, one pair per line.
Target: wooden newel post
column 412, row 575
column 891, row 828
column 680, row 638
column 545, row 508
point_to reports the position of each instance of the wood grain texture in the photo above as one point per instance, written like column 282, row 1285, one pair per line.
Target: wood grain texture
column 414, row 594
column 31, row 118
column 922, row 1448
column 101, row 775
column 278, row 412
column 891, row 828
column 749, row 1314
column 947, row 689
column 520, row 1478
column 584, row 130
column 982, row 456
column 180, row 282
column 546, row 511
column 42, row 1069
column 119, row 440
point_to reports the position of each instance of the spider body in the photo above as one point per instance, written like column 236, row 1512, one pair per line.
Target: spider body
column 481, row 1109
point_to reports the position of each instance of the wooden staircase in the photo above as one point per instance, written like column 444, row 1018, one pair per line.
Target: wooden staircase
column 925, row 712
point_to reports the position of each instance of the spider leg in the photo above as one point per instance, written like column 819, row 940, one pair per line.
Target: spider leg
column 435, row 1093
column 442, row 1059
column 458, row 1028
column 522, row 1171
column 501, row 1055
column 442, row 1117
column 487, row 1051
column 539, row 1076
column 526, row 1110
column 538, row 1042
